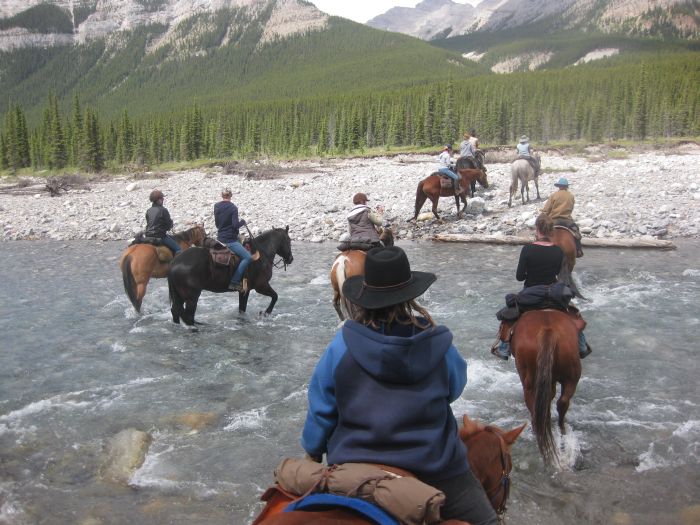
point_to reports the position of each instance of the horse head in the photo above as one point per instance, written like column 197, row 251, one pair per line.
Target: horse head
column 387, row 236
column 488, row 450
column 284, row 248
column 482, row 180
column 198, row 234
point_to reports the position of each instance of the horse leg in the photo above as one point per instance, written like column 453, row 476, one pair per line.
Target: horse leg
column 537, row 188
column 526, row 187
column 459, row 211
column 510, row 197
column 243, row 301
column 435, row 206
column 567, row 392
column 421, row 197
column 191, row 308
column 269, row 292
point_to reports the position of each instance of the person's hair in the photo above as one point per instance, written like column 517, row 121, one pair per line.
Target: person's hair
column 226, row 192
column 544, row 224
column 472, row 132
column 402, row 313
column 155, row 196
column 467, row 134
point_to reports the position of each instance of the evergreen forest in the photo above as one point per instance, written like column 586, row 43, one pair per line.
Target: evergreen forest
column 651, row 98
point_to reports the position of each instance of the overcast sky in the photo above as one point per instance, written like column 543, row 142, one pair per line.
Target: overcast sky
column 363, row 10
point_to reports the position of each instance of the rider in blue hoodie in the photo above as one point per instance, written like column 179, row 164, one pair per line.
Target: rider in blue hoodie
column 382, row 390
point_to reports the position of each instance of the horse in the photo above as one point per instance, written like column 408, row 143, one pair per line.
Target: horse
column 564, row 238
column 522, row 170
column 464, row 163
column 488, row 452
column 194, row 270
column 545, row 346
column 431, row 188
column 349, row 263
column 140, row 262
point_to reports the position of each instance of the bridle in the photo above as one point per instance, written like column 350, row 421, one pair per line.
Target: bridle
column 503, row 485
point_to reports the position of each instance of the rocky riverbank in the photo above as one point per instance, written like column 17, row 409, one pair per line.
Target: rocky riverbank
column 618, row 194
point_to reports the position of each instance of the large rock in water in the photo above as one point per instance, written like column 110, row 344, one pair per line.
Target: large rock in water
column 124, row 454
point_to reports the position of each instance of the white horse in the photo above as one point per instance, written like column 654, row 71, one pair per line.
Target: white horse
column 522, row 170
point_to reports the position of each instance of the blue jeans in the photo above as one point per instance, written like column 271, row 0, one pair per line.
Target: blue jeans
column 237, row 248
column 449, row 173
column 171, row 243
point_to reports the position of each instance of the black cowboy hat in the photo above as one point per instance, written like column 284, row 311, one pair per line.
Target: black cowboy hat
column 388, row 280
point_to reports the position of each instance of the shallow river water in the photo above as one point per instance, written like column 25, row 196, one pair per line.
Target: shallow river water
column 223, row 405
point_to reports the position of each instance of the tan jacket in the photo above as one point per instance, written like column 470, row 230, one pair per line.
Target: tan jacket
column 559, row 205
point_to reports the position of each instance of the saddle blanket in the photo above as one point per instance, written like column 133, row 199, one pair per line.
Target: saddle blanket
column 325, row 501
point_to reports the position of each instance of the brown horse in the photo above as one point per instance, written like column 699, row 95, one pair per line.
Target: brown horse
column 488, row 450
column 545, row 346
column 563, row 238
column 349, row 263
column 432, row 188
column 140, row 262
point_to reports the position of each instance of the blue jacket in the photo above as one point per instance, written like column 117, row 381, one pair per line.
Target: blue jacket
column 226, row 220
column 380, row 398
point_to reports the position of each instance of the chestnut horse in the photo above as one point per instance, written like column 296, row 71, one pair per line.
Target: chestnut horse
column 431, row 188
column 141, row 262
column 488, row 451
column 545, row 346
column 563, row 238
column 349, row 263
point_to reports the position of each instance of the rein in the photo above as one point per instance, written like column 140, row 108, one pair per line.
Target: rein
column 253, row 241
column 503, row 485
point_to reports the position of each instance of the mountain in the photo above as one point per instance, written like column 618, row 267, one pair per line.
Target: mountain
column 525, row 35
column 154, row 55
column 444, row 18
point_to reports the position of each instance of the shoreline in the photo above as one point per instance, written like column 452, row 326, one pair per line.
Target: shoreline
column 648, row 195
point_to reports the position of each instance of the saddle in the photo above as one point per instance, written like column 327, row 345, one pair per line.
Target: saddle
column 141, row 238
column 571, row 227
column 397, row 492
column 220, row 254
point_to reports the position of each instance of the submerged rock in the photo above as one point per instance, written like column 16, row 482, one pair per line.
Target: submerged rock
column 123, row 455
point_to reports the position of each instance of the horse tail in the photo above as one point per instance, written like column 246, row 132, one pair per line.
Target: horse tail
column 543, row 395
column 176, row 301
column 130, row 283
column 565, row 276
column 340, row 279
column 420, row 198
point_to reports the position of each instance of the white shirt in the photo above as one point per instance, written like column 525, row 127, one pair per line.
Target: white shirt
column 444, row 159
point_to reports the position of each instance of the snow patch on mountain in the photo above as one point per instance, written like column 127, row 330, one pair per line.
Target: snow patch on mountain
column 531, row 61
column 597, row 54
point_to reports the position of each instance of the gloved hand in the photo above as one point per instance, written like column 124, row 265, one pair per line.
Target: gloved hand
column 242, row 222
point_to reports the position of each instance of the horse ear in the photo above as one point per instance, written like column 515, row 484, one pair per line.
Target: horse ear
column 469, row 427
column 510, row 436
column 287, row 228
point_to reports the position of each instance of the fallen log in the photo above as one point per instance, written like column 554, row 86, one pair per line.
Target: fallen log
column 655, row 244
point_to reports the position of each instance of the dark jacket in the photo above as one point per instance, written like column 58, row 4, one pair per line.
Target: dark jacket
column 158, row 221
column 539, row 264
column 380, row 398
column 227, row 222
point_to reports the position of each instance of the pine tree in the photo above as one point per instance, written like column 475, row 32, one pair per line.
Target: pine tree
column 76, row 138
column 58, row 151
column 92, row 152
column 640, row 106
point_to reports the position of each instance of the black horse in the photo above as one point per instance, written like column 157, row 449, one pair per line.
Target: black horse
column 194, row 270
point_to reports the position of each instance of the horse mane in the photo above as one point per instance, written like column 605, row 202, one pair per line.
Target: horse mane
column 187, row 235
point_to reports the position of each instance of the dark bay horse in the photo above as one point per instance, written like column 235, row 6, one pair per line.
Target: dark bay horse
column 545, row 346
column 194, row 270
column 521, row 170
column 488, row 449
column 432, row 188
column 141, row 262
column 347, row 264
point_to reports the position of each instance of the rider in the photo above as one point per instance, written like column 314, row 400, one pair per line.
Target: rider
column 158, row 221
column 466, row 150
column 559, row 207
column 227, row 223
column 381, row 391
column 525, row 152
column 539, row 264
column 445, row 167
column 363, row 222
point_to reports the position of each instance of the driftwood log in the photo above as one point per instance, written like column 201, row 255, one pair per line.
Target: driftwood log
column 655, row 244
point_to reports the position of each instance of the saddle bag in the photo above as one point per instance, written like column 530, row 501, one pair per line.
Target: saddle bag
column 140, row 238
column 406, row 498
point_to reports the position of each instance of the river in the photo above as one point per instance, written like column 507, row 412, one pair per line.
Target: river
column 224, row 404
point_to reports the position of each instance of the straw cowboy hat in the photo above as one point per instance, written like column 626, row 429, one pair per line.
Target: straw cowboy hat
column 523, row 138
column 388, row 280
column 562, row 183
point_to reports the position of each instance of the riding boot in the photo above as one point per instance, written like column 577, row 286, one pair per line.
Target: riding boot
column 579, row 251
column 501, row 350
column 583, row 348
